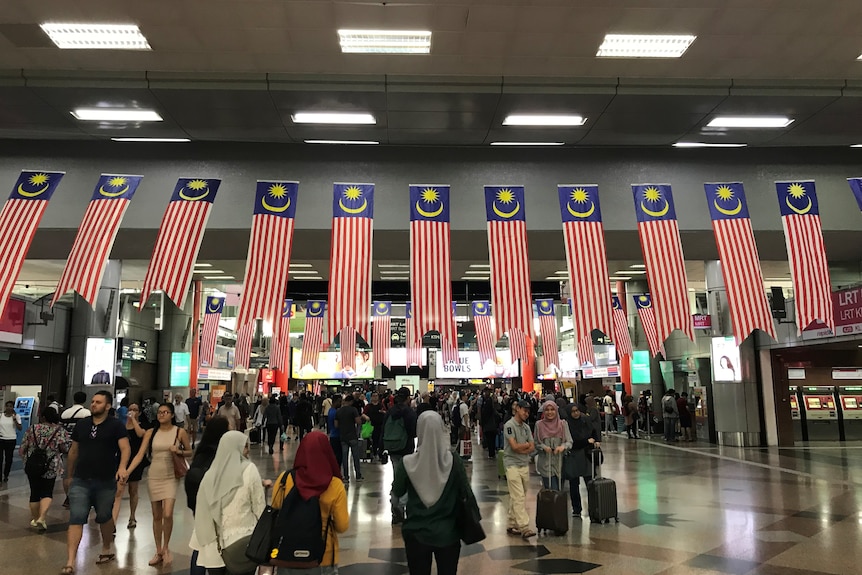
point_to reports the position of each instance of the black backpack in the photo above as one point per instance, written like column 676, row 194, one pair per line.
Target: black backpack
column 456, row 415
column 298, row 540
column 38, row 462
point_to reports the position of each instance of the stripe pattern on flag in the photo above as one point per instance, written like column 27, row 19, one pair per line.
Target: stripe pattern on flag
column 209, row 332
column 658, row 231
column 281, row 338
column 806, row 251
column 312, row 338
column 381, row 328
column 548, row 332
column 347, row 346
column 414, row 341
column 740, row 262
column 179, row 239
column 643, row 303
column 19, row 220
column 242, row 355
column 621, row 336
column 485, row 337
column 85, row 265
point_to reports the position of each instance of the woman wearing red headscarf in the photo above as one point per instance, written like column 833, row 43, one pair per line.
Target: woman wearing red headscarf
column 318, row 475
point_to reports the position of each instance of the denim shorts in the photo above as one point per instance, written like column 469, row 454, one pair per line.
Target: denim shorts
column 88, row 493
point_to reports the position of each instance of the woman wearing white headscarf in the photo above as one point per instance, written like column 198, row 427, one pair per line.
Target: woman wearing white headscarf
column 434, row 482
column 230, row 500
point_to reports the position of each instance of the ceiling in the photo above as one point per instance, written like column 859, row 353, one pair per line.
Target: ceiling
column 235, row 71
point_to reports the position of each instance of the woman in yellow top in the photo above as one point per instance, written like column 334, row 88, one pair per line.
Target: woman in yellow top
column 317, row 475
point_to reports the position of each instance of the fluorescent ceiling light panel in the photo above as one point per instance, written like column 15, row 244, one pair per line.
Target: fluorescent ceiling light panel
column 750, row 122
column 399, row 278
column 856, row 146
column 300, row 265
column 209, row 271
column 385, row 41
column 201, row 265
column 544, row 120
column 393, row 265
column 218, row 277
column 556, row 278
column 619, row 278
column 475, row 278
column 527, row 143
column 332, row 118
column 344, row 142
column 309, row 278
column 394, row 272
column 480, row 265
column 638, row 266
column 115, row 115
column 706, row 145
column 312, row 272
column 644, row 45
column 474, row 272
column 561, row 272
column 168, row 140
column 96, row 36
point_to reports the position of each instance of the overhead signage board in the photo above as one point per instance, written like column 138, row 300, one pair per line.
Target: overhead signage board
column 469, row 366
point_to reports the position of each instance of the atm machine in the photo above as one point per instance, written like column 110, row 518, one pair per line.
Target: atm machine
column 821, row 413
column 850, row 405
column 25, row 407
column 796, row 413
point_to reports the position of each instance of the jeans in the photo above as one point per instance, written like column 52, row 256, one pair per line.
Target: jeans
column 670, row 428
column 87, row 493
column 518, row 479
column 335, row 442
column 419, row 557
column 348, row 448
column 491, row 443
column 575, row 494
column 609, row 422
column 377, row 441
column 552, row 483
column 632, row 430
column 7, row 450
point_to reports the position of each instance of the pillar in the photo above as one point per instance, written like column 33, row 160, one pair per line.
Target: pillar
column 176, row 337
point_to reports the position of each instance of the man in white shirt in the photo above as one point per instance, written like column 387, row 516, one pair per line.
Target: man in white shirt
column 608, row 409
column 181, row 411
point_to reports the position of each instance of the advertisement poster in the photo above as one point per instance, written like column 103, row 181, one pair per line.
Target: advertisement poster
column 847, row 309
column 99, row 361
column 640, row 366
column 398, row 356
column 725, row 359
column 181, row 368
column 12, row 322
column 469, row 366
column 329, row 366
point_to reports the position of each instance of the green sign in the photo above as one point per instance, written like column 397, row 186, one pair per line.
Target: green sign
column 181, row 368
column 640, row 367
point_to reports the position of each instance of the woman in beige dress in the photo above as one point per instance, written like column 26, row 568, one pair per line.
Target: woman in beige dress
column 161, row 443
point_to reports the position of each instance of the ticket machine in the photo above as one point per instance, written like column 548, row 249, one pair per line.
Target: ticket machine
column 796, row 413
column 821, row 413
column 850, row 404
column 24, row 407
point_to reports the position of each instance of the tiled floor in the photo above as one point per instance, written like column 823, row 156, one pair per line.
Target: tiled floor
column 684, row 509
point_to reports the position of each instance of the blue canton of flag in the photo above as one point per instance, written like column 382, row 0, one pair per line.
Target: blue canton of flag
column 382, row 308
column 504, row 203
column 110, row 187
column 546, row 307
column 353, row 201
column 726, row 201
column 856, row 188
column 797, row 198
column 195, row 190
column 287, row 309
column 481, row 308
column 215, row 305
column 429, row 202
column 579, row 203
column 36, row 185
column 653, row 202
column 276, row 198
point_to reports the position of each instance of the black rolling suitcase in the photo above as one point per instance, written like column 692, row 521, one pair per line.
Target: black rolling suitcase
column 601, row 495
column 254, row 435
column 552, row 509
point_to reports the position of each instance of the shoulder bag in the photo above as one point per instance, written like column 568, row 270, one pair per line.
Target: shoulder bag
column 260, row 544
column 181, row 464
column 469, row 519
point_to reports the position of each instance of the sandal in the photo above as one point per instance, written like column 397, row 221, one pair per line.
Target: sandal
column 67, row 570
column 132, row 524
column 157, row 558
column 105, row 558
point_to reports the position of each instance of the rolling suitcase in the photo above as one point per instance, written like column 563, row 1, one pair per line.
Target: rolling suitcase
column 501, row 466
column 601, row 495
column 363, row 448
column 254, row 435
column 552, row 508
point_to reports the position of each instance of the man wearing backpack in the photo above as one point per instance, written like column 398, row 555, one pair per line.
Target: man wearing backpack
column 670, row 414
column 399, row 434
column 68, row 419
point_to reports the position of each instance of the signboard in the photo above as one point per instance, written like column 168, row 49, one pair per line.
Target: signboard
column 133, row 349
column 329, row 366
column 181, row 368
column 469, row 366
column 847, row 309
column 213, row 374
column 795, row 373
column 411, row 382
column 725, row 359
column 640, row 366
column 569, row 363
column 398, row 356
column 12, row 322
column 99, row 361
column 847, row 373
column 701, row 321
column 596, row 372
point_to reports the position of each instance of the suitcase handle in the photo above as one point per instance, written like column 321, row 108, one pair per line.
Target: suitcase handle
column 596, row 465
column 560, row 476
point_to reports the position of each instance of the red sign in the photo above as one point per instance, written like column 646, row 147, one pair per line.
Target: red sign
column 847, row 308
column 702, row 321
column 12, row 322
column 267, row 376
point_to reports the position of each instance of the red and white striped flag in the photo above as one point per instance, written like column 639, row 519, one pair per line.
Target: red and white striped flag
column 265, row 282
column 662, row 249
column 621, row 336
column 209, row 333
column 85, row 265
column 485, row 338
column 740, row 263
column 19, row 219
column 511, row 292
column 548, row 331
column 584, row 235
column 281, row 338
column 430, row 266
column 347, row 347
column 350, row 262
column 414, row 341
column 645, row 311
column 179, row 239
column 381, row 319
column 312, row 338
column 806, row 251
column 242, row 354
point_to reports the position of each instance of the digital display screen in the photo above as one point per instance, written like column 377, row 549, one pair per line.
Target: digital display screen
column 725, row 359
column 850, row 403
column 813, row 402
column 793, row 403
column 329, row 366
column 99, row 361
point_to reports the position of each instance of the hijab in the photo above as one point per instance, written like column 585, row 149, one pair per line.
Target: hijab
column 430, row 466
column 580, row 428
column 220, row 482
column 315, row 465
column 549, row 427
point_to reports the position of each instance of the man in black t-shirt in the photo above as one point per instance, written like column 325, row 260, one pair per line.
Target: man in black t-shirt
column 93, row 466
column 194, row 404
column 346, row 419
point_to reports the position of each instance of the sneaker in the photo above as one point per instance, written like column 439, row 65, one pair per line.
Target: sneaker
column 528, row 533
column 41, row 525
column 360, row 479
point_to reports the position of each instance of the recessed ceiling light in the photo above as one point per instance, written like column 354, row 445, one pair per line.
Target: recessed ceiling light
column 544, row 120
column 168, row 140
column 385, row 41
column 218, row 277
column 644, row 45
column 750, row 122
column 479, row 265
column 344, row 142
column 208, row 271
column 638, row 266
column 96, row 36
column 116, row 115
column 527, row 143
column 202, row 265
column 393, row 265
column 312, row 272
column 706, row 145
column 619, row 278
column 470, row 278
column 475, row 272
column 332, row 118
column 300, row 265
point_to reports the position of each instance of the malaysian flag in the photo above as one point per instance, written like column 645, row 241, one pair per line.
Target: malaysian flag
column 740, row 263
column 414, row 341
column 645, row 311
column 586, row 353
column 484, row 331
column 510, row 266
column 281, row 338
column 242, row 354
column 856, row 188
column 622, row 339
column 312, row 338
column 430, row 266
column 548, row 331
column 662, row 249
column 381, row 319
column 268, row 260
column 350, row 264
column 19, row 219
column 209, row 335
column 809, row 270
column 92, row 246
column 584, row 236
column 179, row 239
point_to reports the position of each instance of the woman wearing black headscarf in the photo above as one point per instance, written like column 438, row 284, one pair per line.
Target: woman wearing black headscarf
column 577, row 464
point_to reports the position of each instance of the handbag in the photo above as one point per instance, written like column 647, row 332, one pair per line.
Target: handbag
column 260, row 544
column 469, row 519
column 234, row 557
column 181, row 464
